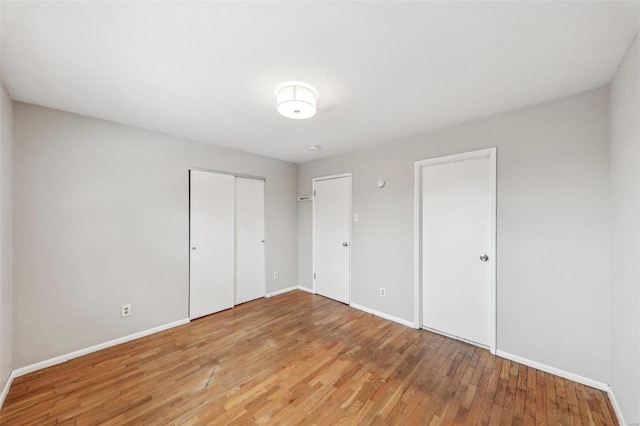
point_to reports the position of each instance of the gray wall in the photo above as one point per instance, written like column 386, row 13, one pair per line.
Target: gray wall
column 6, row 297
column 101, row 219
column 553, row 222
column 625, row 235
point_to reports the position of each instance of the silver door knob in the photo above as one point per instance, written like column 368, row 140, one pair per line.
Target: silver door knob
column 484, row 257
column 193, row 248
column 345, row 244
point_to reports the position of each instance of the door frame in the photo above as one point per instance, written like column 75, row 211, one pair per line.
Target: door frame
column 417, row 234
column 313, row 226
column 237, row 175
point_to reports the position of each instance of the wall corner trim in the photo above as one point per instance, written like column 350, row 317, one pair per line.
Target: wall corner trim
column 616, row 406
column 288, row 289
column 7, row 386
column 282, row 291
column 66, row 357
column 383, row 315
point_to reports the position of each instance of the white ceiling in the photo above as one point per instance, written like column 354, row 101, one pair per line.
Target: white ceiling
column 384, row 70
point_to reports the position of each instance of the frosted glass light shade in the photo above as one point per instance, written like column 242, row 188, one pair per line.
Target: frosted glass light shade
column 297, row 102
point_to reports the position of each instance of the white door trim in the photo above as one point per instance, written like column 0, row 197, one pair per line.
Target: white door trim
column 222, row 172
column 313, row 226
column 417, row 226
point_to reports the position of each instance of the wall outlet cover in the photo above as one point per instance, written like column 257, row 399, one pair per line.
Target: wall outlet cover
column 125, row 310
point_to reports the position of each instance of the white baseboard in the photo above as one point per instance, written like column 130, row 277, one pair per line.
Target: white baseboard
column 6, row 388
column 383, row 315
column 284, row 290
column 553, row 370
column 616, row 407
column 66, row 357
column 571, row 376
column 288, row 289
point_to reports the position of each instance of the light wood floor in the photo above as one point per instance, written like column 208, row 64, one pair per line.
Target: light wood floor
column 298, row 359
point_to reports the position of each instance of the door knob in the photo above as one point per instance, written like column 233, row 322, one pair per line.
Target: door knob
column 484, row 257
column 193, row 248
column 345, row 244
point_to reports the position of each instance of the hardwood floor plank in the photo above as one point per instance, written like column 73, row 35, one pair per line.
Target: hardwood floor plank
column 298, row 359
column 552, row 402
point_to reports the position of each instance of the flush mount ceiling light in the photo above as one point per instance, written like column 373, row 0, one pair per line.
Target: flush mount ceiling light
column 296, row 101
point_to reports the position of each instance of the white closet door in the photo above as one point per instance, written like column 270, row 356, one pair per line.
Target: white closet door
column 211, row 264
column 331, row 221
column 250, row 262
column 456, row 224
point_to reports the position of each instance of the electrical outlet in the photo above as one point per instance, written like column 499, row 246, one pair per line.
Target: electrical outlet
column 276, row 275
column 125, row 310
column 382, row 291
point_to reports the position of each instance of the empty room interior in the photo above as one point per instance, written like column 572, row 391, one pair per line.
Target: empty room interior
column 403, row 213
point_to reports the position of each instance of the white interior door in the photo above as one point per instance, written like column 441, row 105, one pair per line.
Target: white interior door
column 456, row 235
column 211, row 263
column 332, row 234
column 250, row 261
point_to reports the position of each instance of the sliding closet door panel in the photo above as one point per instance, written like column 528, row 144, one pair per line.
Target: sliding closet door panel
column 250, row 261
column 212, row 223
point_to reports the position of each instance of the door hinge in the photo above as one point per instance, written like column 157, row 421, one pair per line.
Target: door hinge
column 314, row 275
column 314, row 192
